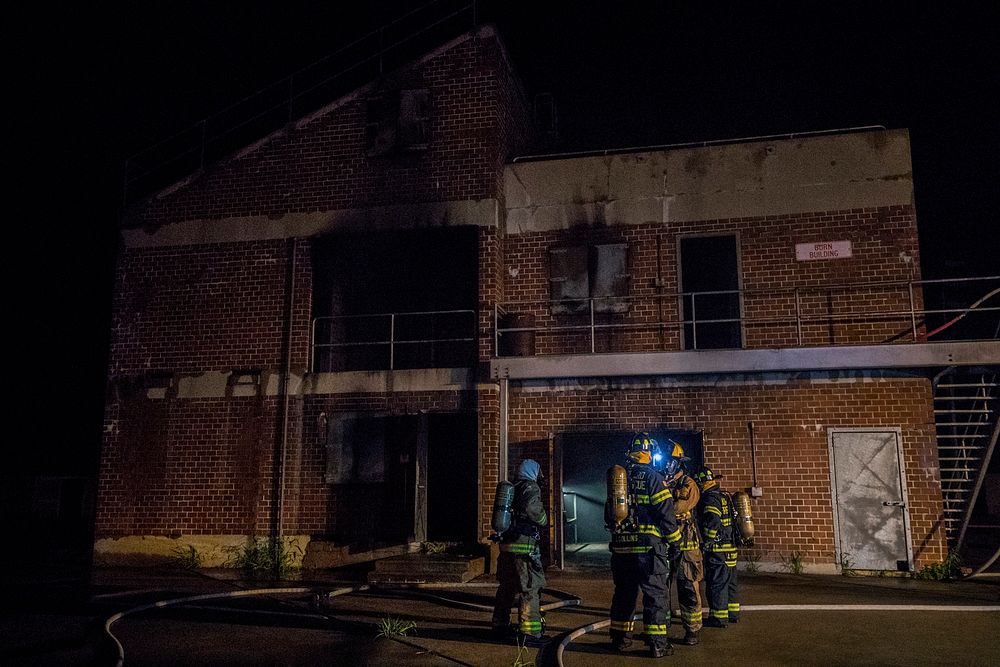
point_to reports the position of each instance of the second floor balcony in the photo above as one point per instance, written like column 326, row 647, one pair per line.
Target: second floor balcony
column 826, row 316
column 872, row 313
column 394, row 341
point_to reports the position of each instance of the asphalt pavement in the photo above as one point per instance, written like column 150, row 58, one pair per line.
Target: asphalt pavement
column 330, row 618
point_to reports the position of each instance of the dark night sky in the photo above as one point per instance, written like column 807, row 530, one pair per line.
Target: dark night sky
column 95, row 85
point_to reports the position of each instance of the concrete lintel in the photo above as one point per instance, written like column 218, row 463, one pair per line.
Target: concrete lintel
column 918, row 355
column 478, row 213
column 423, row 379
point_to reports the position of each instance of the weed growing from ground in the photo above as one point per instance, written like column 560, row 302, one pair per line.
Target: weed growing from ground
column 395, row 627
column 793, row 562
column 186, row 557
column 521, row 660
column 847, row 565
column 946, row 570
column 261, row 558
column 751, row 560
column 435, row 547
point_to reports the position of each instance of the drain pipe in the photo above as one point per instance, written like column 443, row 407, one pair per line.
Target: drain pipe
column 285, row 398
column 504, row 410
column 755, row 490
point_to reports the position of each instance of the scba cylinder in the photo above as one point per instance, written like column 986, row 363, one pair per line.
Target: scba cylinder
column 616, row 507
column 503, row 503
column 744, row 516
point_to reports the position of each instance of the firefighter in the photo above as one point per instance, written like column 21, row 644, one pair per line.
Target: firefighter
column 640, row 546
column 519, row 565
column 688, row 563
column 719, row 539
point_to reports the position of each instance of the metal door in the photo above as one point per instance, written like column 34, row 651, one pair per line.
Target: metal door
column 871, row 521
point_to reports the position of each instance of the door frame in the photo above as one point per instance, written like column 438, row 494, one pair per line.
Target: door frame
column 678, row 238
column 907, row 530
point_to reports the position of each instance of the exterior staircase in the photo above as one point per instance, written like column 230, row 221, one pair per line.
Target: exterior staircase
column 966, row 403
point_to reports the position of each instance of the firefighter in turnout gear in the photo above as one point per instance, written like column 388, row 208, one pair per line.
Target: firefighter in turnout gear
column 687, row 563
column 519, row 565
column 639, row 552
column 720, row 539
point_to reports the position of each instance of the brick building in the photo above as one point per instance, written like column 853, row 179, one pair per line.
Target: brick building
column 344, row 332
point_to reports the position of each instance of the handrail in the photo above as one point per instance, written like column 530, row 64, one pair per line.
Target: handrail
column 393, row 339
column 797, row 297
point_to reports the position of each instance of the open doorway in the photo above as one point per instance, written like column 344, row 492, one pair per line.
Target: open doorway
column 452, row 477
column 400, row 479
column 585, row 459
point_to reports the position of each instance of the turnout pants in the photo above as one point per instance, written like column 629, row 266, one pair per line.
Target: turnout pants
column 721, row 585
column 521, row 576
column 690, row 572
column 650, row 573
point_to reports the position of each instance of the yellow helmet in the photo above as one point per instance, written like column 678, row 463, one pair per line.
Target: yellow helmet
column 706, row 478
column 674, row 461
column 643, row 448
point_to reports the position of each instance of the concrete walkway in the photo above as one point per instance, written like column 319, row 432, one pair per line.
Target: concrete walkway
column 788, row 620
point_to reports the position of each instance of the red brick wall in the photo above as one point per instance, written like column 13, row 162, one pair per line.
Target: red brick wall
column 191, row 309
column 770, row 274
column 198, row 466
column 478, row 119
column 791, row 422
column 205, row 465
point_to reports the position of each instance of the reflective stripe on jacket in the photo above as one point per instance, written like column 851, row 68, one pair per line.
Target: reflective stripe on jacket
column 652, row 521
column 529, row 515
column 717, row 521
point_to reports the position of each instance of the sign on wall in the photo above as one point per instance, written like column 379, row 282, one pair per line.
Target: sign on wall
column 805, row 252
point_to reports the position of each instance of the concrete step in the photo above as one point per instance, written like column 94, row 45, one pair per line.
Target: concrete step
column 322, row 555
column 427, row 568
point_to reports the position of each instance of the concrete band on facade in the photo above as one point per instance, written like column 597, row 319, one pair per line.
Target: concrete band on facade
column 744, row 180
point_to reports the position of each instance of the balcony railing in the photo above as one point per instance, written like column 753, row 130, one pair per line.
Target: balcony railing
column 847, row 314
column 392, row 341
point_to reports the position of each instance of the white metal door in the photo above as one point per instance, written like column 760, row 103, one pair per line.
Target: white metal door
column 871, row 520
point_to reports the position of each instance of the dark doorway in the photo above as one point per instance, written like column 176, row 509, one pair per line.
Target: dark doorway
column 403, row 436
column 405, row 478
column 710, row 282
column 452, row 479
column 586, row 458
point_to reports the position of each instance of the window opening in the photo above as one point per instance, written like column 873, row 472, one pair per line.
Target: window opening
column 710, row 284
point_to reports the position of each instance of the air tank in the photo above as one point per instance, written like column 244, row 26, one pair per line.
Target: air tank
column 616, row 507
column 744, row 516
column 503, row 501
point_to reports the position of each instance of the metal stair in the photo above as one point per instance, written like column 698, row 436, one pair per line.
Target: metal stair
column 966, row 403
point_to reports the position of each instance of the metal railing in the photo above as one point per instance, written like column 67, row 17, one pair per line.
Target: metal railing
column 393, row 341
column 840, row 314
column 305, row 90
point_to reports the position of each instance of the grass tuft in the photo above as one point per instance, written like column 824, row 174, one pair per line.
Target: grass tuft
column 395, row 627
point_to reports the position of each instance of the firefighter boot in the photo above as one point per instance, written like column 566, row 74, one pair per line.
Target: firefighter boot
column 690, row 638
column 620, row 644
column 661, row 651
